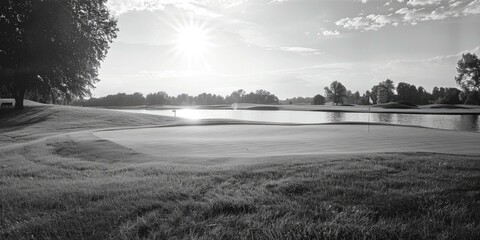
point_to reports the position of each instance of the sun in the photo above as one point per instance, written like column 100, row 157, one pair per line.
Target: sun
column 192, row 40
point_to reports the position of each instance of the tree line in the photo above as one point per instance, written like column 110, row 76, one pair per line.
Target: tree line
column 162, row 98
column 468, row 78
column 405, row 93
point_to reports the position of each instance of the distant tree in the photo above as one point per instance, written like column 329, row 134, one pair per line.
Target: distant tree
column 53, row 46
column 408, row 93
column 437, row 93
column 160, row 98
column 468, row 68
column 119, row 99
column 136, row 99
column 183, row 99
column 336, row 92
column 387, row 92
column 446, row 95
column 318, row 100
column 265, row 97
column 449, row 96
column 425, row 97
column 356, row 98
column 452, row 96
column 208, row 99
column 365, row 99
column 382, row 95
column 389, row 87
column 300, row 100
column 352, row 98
column 236, row 97
column 470, row 98
column 374, row 94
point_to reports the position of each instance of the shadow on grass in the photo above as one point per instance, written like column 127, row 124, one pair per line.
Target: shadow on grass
column 12, row 120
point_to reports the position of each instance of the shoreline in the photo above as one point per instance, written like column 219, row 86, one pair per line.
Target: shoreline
column 434, row 109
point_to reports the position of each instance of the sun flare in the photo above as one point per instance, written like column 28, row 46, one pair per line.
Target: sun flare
column 192, row 40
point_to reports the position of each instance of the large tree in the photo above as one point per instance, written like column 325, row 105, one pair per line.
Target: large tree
column 336, row 92
column 468, row 68
column 53, row 46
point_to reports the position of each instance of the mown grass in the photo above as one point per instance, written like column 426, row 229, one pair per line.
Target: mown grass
column 47, row 194
column 381, row 196
column 35, row 122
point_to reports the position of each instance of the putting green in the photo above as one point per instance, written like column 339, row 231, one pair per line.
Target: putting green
column 247, row 141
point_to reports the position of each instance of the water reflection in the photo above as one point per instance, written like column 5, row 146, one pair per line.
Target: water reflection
column 335, row 117
column 382, row 117
column 454, row 122
column 468, row 122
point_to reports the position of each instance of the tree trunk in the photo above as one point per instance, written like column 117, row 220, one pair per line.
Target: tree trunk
column 19, row 96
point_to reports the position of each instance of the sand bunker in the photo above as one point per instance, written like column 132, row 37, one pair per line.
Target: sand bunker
column 229, row 141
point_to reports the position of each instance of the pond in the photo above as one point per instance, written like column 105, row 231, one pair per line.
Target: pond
column 452, row 122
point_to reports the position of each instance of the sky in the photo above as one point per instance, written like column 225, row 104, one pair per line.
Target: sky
column 288, row 47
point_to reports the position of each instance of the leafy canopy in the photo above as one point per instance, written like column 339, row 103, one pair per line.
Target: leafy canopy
column 468, row 68
column 53, row 45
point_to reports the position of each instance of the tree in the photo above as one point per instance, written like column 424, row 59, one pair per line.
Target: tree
column 236, row 96
column 318, row 100
column 300, row 100
column 184, row 99
column 157, row 98
column 374, row 94
column 265, row 97
column 389, row 88
column 336, row 92
column 352, row 98
column 468, row 68
column 425, row 96
column 447, row 95
column 470, row 98
column 408, row 93
column 382, row 96
column 438, row 93
column 53, row 46
column 365, row 99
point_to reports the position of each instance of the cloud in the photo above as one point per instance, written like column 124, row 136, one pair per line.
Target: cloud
column 331, row 33
column 472, row 8
column 300, row 50
column 277, row 1
column 455, row 4
column 408, row 14
column 423, row 2
column 416, row 11
column 370, row 22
